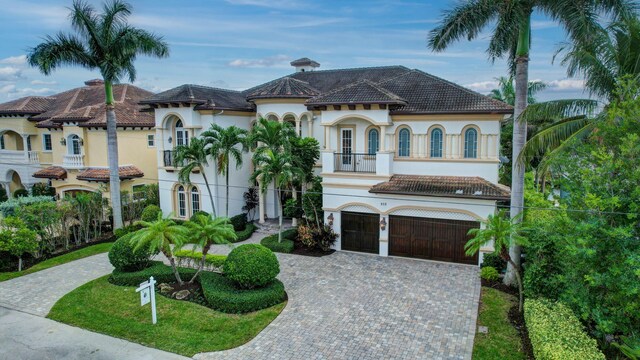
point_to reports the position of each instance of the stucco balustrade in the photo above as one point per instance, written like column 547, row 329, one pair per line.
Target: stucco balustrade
column 73, row 161
column 19, row 157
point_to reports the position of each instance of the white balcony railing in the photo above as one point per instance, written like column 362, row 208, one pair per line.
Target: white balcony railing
column 19, row 157
column 73, row 161
column 33, row 157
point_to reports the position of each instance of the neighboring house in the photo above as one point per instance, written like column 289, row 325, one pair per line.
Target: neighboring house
column 409, row 161
column 61, row 139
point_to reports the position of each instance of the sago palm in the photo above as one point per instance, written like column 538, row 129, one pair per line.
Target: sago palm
column 226, row 144
column 504, row 232
column 194, row 156
column 161, row 235
column 279, row 168
column 107, row 43
column 511, row 38
column 206, row 231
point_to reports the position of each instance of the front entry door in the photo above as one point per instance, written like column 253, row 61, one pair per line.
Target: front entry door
column 360, row 232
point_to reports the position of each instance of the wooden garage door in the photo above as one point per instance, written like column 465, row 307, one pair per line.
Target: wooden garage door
column 433, row 239
column 360, row 232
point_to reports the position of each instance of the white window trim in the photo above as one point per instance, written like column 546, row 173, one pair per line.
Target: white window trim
column 44, row 147
column 153, row 138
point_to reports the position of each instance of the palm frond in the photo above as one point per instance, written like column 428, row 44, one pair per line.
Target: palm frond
column 551, row 111
column 552, row 136
column 60, row 50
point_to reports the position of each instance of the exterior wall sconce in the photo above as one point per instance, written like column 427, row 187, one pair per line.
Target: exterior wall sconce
column 330, row 218
column 383, row 224
column 170, row 139
column 63, row 142
column 81, row 142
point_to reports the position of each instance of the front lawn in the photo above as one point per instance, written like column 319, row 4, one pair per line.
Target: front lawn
column 503, row 340
column 183, row 327
column 59, row 260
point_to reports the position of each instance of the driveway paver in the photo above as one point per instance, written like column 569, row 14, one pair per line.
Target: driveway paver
column 356, row 306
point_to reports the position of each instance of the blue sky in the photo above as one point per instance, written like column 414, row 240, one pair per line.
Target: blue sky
column 240, row 43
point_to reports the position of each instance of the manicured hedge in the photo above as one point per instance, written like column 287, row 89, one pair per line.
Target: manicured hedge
column 286, row 246
column 161, row 273
column 251, row 266
column 239, row 222
column 246, row 233
column 211, row 259
column 222, row 295
column 556, row 333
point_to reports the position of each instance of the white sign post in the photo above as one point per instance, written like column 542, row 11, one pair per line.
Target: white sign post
column 148, row 295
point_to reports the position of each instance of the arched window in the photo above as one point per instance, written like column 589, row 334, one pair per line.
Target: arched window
column 182, row 202
column 182, row 135
column 404, row 143
column 471, row 143
column 374, row 142
column 436, row 143
column 74, row 145
column 195, row 200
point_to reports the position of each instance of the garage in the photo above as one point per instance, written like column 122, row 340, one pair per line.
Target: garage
column 430, row 238
column 360, row 232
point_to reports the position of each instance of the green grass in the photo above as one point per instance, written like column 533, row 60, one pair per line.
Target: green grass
column 59, row 260
column 503, row 340
column 183, row 327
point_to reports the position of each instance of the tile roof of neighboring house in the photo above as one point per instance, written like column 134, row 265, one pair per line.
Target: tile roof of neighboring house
column 51, row 172
column 204, row 97
column 84, row 105
column 286, row 87
column 102, row 174
column 443, row 186
column 361, row 92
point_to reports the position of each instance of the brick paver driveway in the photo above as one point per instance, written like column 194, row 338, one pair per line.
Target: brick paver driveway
column 355, row 306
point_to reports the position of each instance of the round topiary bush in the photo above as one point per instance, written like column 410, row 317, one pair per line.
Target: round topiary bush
column 251, row 266
column 150, row 213
column 123, row 258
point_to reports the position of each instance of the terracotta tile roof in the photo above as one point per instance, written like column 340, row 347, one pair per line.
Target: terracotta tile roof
column 51, row 172
column 102, row 174
column 362, row 92
column 285, row 87
column 30, row 105
column 204, row 97
column 443, row 186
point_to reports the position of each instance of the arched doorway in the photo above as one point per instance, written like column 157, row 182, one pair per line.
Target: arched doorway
column 11, row 140
column 14, row 181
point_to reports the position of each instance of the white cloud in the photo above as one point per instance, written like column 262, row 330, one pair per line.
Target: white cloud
column 482, row 86
column 278, row 4
column 543, row 24
column 10, row 73
column 7, row 89
column 566, row 85
column 270, row 61
column 15, row 60
column 43, row 82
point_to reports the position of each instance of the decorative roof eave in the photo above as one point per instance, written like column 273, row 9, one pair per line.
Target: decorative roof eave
column 495, row 111
column 102, row 175
column 227, row 108
column 51, row 172
column 20, row 112
column 260, row 97
column 381, row 102
column 462, row 196
column 121, row 125
column 173, row 102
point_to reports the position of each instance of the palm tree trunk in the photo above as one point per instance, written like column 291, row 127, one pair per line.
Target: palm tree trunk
column 205, row 251
column 519, row 139
column 19, row 263
column 206, row 183
column 172, row 261
column 280, row 218
column 519, row 280
column 112, row 156
column 227, row 179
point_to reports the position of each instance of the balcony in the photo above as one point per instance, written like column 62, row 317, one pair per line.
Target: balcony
column 169, row 157
column 19, row 157
column 73, row 161
column 352, row 162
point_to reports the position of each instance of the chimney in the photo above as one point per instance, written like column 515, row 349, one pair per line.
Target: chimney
column 304, row 64
column 94, row 82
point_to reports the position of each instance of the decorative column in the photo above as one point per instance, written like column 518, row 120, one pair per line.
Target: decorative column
column 294, row 195
column 298, row 128
column 383, row 137
column 25, row 146
column 310, row 125
column 326, row 136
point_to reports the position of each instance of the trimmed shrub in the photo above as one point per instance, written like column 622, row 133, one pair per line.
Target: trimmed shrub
column 161, row 273
column 123, row 258
column 246, row 233
column 21, row 193
column 251, row 266
column 118, row 233
column 150, row 213
column 495, row 261
column 239, row 222
column 211, row 259
column 223, row 295
column 556, row 333
column 489, row 273
column 287, row 244
column 8, row 208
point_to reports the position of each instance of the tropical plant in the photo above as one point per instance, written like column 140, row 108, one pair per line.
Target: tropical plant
column 506, row 91
column 272, row 135
column 191, row 157
column 205, row 231
column 279, row 168
column 17, row 239
column 107, row 43
column 226, row 144
column 251, row 202
column 161, row 235
column 503, row 231
column 45, row 218
column 511, row 37
column 42, row 189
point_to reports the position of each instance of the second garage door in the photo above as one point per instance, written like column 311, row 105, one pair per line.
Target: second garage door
column 428, row 238
column 360, row 232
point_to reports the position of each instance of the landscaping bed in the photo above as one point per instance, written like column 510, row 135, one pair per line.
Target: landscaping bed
column 291, row 245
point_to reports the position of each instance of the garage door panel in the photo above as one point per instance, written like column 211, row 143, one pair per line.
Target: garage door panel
column 360, row 232
column 402, row 244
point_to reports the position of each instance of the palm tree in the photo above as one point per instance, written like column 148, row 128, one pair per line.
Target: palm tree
column 206, row 231
column 191, row 157
column 506, row 91
column 107, row 43
column 504, row 232
column 279, row 168
column 160, row 235
column 512, row 37
column 226, row 143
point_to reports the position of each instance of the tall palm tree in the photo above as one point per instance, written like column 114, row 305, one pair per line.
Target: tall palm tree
column 194, row 156
column 279, row 168
column 161, row 235
column 506, row 91
column 206, row 231
column 504, row 232
column 226, row 144
column 512, row 38
column 107, row 43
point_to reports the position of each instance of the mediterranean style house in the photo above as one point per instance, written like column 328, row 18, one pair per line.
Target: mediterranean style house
column 61, row 139
column 409, row 161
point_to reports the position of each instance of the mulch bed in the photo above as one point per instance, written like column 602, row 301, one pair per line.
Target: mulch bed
column 299, row 249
